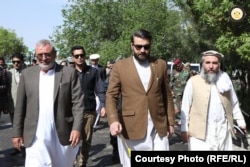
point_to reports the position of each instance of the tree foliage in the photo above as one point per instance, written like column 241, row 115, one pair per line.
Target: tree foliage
column 105, row 27
column 10, row 43
column 218, row 30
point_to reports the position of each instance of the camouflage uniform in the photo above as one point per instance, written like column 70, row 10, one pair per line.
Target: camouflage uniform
column 178, row 83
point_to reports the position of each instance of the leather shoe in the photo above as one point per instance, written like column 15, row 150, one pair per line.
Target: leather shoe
column 115, row 157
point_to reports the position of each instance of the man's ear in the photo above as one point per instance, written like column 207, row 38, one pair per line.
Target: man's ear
column 131, row 45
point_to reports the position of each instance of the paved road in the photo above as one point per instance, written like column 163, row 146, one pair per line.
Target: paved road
column 100, row 154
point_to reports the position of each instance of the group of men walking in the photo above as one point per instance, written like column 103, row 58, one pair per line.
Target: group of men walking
column 55, row 106
column 52, row 107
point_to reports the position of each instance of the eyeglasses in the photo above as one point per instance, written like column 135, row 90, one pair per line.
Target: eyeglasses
column 79, row 55
column 94, row 59
column 139, row 47
column 16, row 62
column 47, row 55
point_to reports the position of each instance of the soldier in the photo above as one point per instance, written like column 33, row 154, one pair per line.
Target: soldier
column 178, row 82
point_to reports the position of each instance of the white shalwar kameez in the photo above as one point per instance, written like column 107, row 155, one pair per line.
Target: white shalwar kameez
column 46, row 150
column 152, row 141
column 98, row 105
column 218, row 135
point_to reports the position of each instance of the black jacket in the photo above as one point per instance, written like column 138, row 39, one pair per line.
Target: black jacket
column 4, row 88
column 92, row 86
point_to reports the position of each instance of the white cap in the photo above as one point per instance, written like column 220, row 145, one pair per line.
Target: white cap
column 211, row 53
column 94, row 56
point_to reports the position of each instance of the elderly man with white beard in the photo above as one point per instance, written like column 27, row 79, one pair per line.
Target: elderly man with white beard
column 209, row 107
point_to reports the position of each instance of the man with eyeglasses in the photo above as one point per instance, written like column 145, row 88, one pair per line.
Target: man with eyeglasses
column 49, row 108
column 93, row 86
column 146, row 120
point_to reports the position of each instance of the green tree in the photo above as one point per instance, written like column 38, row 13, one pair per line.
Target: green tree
column 105, row 27
column 218, row 30
column 10, row 43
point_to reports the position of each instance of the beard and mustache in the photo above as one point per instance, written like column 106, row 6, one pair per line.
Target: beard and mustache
column 142, row 57
column 209, row 77
column 46, row 67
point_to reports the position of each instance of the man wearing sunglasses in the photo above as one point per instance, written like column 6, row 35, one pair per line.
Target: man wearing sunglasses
column 92, row 86
column 15, row 73
column 14, row 77
column 146, row 121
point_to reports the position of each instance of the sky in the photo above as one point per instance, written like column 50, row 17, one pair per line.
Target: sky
column 31, row 20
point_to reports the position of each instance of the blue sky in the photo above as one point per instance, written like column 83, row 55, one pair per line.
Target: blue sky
column 31, row 19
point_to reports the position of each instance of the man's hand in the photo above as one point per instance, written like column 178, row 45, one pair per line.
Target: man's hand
column 244, row 128
column 17, row 142
column 185, row 136
column 103, row 112
column 171, row 131
column 75, row 137
column 115, row 128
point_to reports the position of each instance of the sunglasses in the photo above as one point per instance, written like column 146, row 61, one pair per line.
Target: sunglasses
column 79, row 55
column 16, row 62
column 139, row 47
column 47, row 55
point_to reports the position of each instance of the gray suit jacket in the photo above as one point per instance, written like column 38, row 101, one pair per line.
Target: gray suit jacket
column 13, row 89
column 68, row 104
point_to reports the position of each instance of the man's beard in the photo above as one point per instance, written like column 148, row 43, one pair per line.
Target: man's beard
column 209, row 77
column 46, row 67
column 140, row 60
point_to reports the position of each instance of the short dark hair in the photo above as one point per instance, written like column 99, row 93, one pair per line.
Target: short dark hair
column 18, row 55
column 142, row 33
column 2, row 58
column 77, row 47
